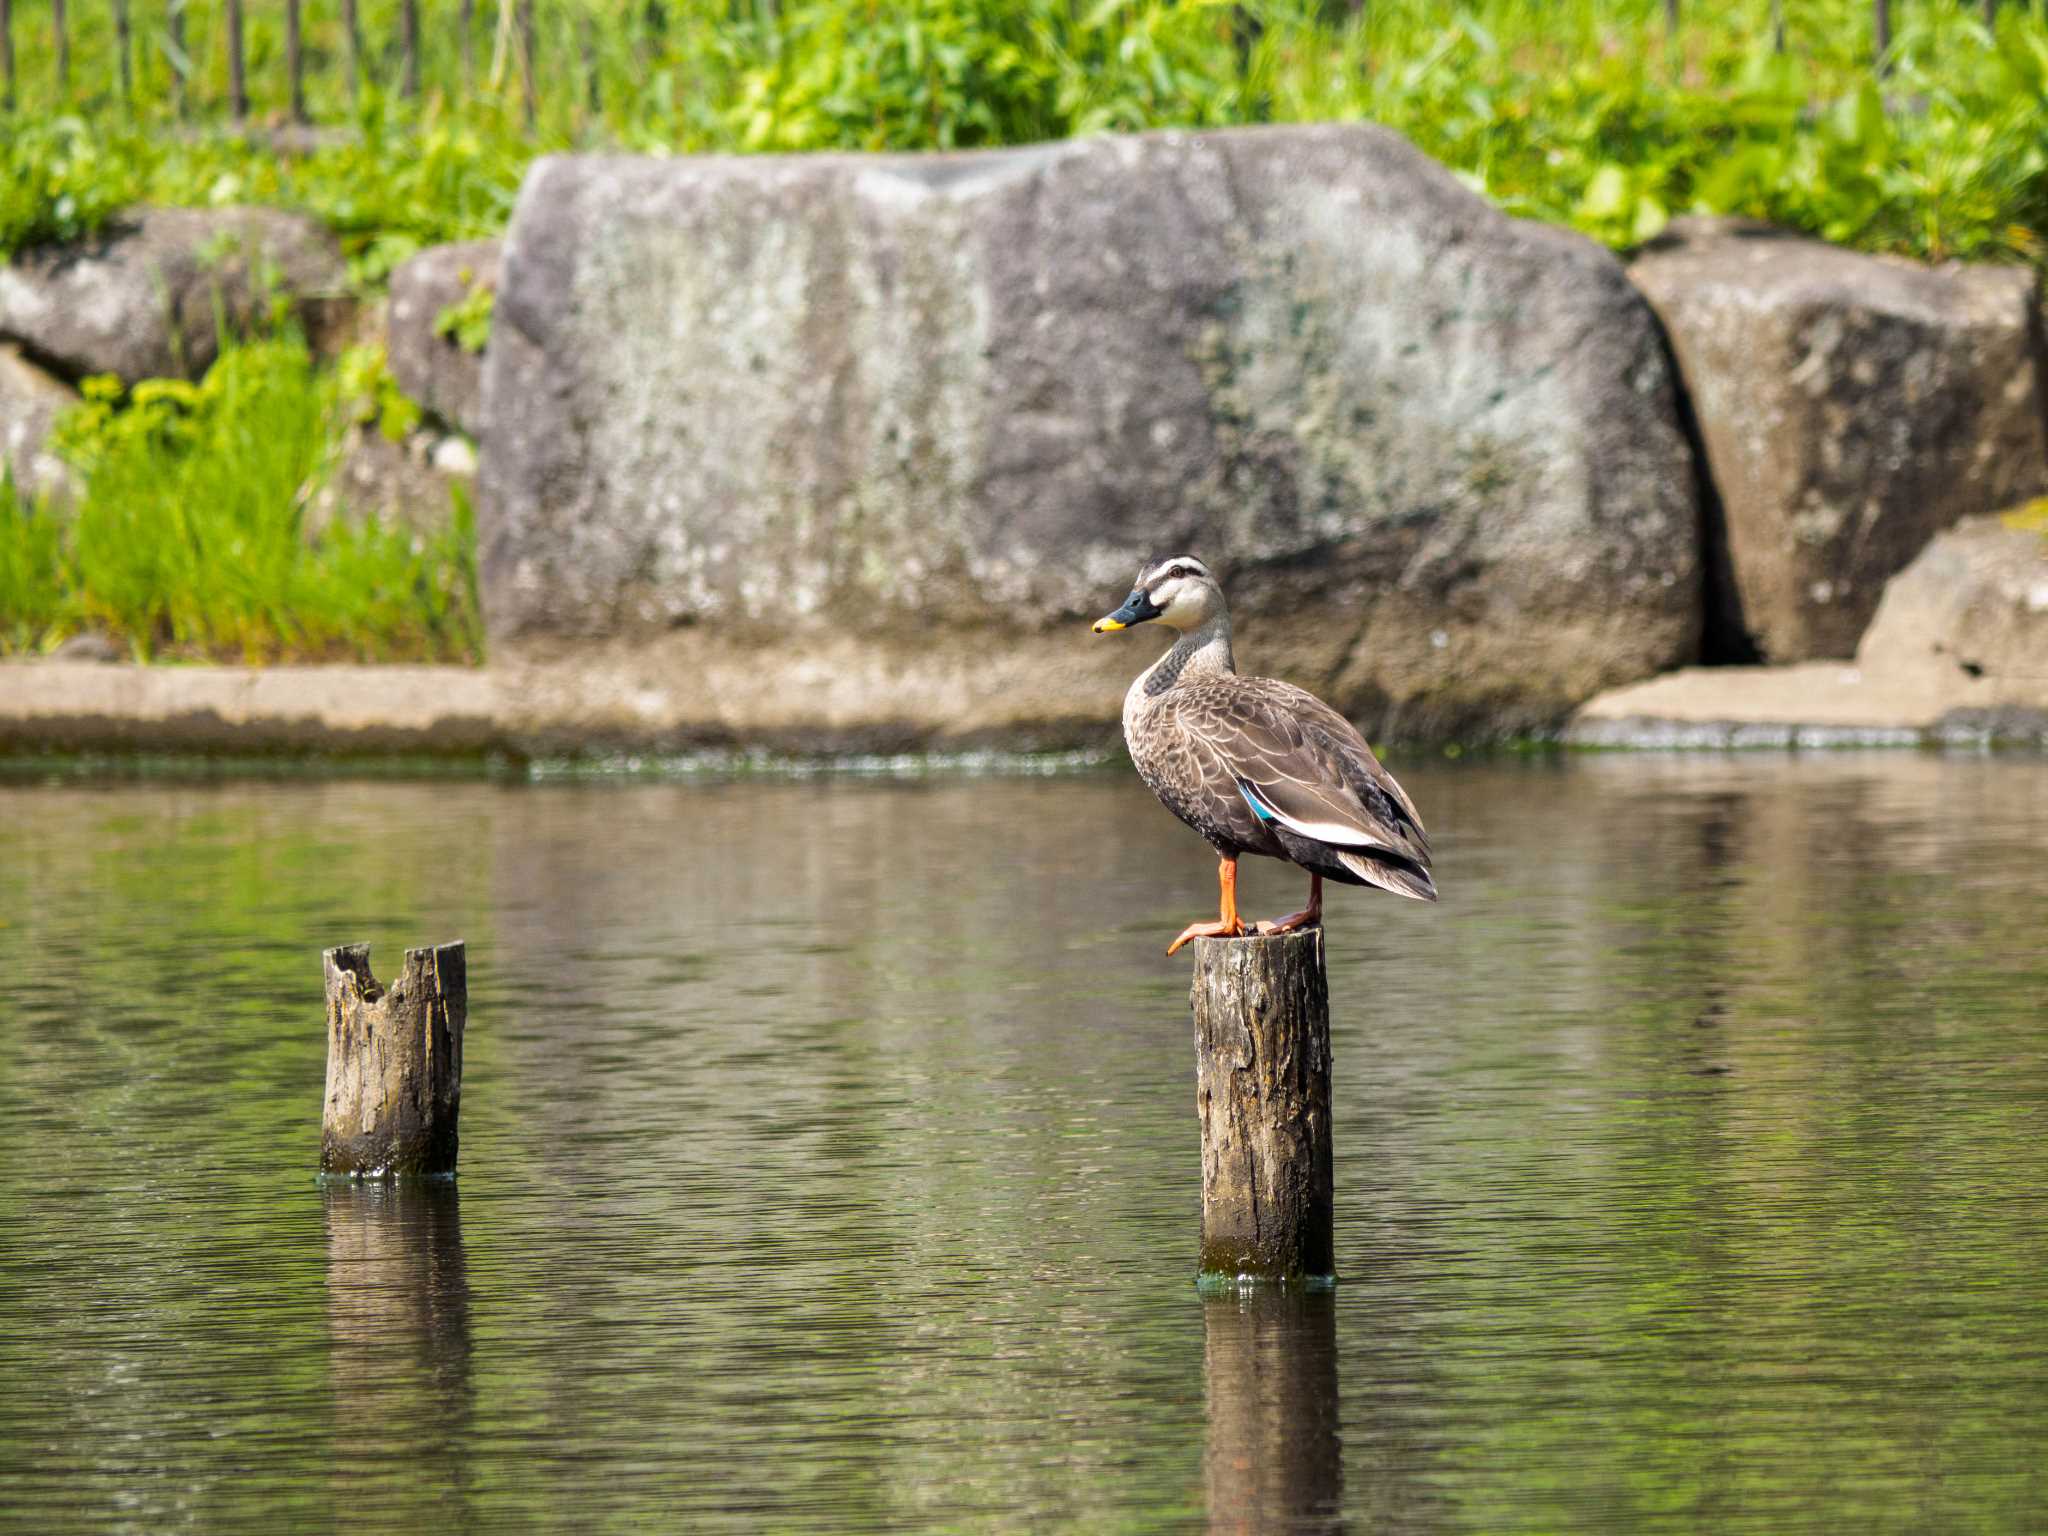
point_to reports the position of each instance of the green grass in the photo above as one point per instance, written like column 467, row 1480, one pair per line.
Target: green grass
column 1584, row 112
column 191, row 538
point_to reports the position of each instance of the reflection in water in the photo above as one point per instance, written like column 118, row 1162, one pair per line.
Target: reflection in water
column 1274, row 1460
column 399, row 1332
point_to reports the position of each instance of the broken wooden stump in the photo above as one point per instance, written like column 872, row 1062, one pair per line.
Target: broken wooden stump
column 1262, row 1086
column 394, row 1063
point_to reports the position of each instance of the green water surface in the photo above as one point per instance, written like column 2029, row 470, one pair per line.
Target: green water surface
column 829, row 1162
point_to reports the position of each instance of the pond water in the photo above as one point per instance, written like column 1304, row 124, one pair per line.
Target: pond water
column 829, row 1161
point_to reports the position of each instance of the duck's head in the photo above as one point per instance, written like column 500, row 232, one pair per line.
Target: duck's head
column 1178, row 592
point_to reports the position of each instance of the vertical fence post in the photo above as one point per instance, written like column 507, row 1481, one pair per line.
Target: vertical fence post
column 586, row 24
column 1882, row 27
column 526, row 62
column 1777, row 26
column 238, row 85
column 352, row 24
column 409, row 20
column 7, row 54
column 468, row 48
column 122, row 42
column 1991, row 15
column 1671, row 17
column 294, row 60
column 181, row 61
column 63, row 31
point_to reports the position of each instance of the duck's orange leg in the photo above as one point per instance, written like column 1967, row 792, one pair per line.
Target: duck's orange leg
column 1227, row 925
column 1310, row 916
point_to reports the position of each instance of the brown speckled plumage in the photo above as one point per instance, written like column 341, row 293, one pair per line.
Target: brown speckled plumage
column 1210, row 742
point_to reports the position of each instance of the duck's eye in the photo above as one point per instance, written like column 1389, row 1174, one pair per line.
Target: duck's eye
column 1178, row 570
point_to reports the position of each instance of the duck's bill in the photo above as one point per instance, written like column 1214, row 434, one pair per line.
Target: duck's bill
column 1137, row 609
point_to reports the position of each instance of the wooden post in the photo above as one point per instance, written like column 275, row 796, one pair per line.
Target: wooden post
column 1274, row 1460
column 394, row 1063
column 1881, row 26
column 7, row 54
column 468, row 48
column 238, row 87
column 1262, row 1086
column 294, row 60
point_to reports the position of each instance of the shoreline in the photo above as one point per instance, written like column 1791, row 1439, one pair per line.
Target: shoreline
column 436, row 717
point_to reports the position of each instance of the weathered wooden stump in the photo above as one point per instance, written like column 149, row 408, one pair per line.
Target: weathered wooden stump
column 1262, row 1085
column 1274, row 1460
column 394, row 1063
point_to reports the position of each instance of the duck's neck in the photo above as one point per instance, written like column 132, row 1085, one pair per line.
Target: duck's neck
column 1203, row 652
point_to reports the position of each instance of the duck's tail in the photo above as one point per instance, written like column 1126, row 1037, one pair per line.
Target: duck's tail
column 1389, row 873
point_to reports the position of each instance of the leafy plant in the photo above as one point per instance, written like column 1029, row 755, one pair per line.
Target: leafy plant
column 369, row 394
column 191, row 540
column 467, row 322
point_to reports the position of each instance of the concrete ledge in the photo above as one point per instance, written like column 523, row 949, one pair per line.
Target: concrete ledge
column 1816, row 704
column 90, row 706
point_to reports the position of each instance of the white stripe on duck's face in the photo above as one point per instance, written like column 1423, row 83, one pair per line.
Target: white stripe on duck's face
column 1182, row 590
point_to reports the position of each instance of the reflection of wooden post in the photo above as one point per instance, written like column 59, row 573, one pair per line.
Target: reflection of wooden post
column 394, row 1063
column 1274, row 1458
column 399, row 1349
column 1262, row 1083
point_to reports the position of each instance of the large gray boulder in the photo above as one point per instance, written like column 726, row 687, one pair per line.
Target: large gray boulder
column 148, row 297
column 1850, row 407
column 30, row 402
column 437, row 370
column 874, row 400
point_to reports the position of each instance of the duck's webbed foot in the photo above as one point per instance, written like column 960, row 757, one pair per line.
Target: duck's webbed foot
column 1310, row 916
column 1217, row 930
column 1227, row 925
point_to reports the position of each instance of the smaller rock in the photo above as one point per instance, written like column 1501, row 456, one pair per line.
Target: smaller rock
column 1973, row 606
column 409, row 483
column 1851, row 407
column 436, row 370
column 145, row 299
column 90, row 646
column 1958, row 651
column 30, row 402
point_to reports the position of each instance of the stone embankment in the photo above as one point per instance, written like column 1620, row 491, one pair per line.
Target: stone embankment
column 842, row 451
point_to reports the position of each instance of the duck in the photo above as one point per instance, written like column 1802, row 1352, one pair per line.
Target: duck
column 1256, row 765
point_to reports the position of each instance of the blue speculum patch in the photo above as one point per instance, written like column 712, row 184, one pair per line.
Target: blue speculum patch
column 1259, row 809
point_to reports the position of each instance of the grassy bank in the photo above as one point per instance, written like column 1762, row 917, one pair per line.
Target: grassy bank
column 195, row 535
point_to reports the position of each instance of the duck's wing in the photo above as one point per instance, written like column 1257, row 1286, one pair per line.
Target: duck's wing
column 1300, row 763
